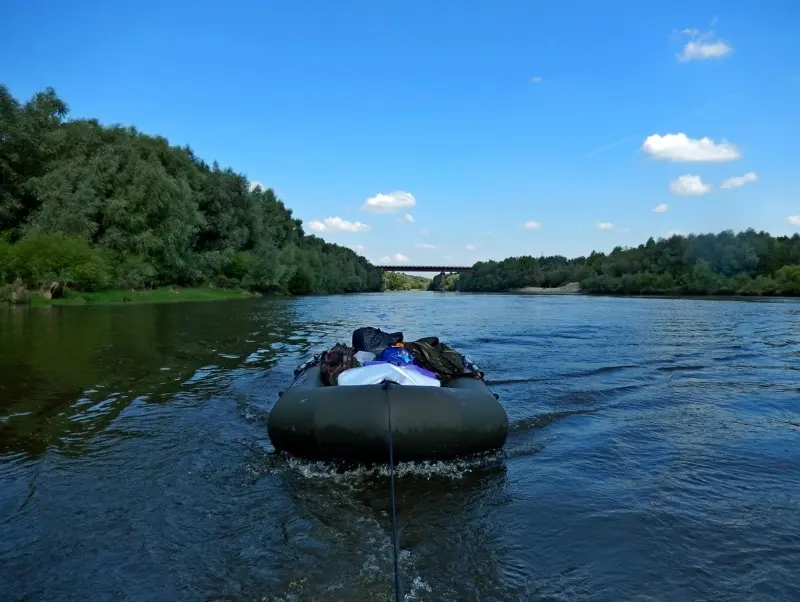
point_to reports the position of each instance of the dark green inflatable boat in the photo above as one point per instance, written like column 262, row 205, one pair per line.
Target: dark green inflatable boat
column 351, row 423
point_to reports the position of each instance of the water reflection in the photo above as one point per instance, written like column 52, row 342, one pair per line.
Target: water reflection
column 66, row 373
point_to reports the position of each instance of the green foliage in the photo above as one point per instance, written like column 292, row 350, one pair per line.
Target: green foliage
column 8, row 262
column 447, row 283
column 788, row 279
column 398, row 281
column 56, row 257
column 747, row 263
column 95, row 207
column 136, row 272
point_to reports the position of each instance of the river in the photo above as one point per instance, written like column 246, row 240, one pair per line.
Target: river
column 653, row 454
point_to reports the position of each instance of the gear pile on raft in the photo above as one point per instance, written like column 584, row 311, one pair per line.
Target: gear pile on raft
column 376, row 356
column 339, row 403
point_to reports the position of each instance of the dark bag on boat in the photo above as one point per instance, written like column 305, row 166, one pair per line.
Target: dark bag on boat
column 438, row 357
column 335, row 361
column 374, row 340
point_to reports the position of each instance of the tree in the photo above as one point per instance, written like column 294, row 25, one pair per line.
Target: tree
column 147, row 213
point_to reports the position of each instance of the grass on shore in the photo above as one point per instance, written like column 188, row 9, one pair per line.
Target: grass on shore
column 167, row 294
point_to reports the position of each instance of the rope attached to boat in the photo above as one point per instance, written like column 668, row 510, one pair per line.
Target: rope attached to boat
column 385, row 387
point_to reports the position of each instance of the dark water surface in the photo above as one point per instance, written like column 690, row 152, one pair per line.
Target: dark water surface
column 654, row 454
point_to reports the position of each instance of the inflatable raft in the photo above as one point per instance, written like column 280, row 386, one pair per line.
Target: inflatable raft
column 461, row 417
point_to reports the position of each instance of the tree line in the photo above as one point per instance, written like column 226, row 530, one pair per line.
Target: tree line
column 747, row 263
column 398, row 281
column 95, row 207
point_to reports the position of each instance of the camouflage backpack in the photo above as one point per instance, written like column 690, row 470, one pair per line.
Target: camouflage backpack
column 335, row 361
column 440, row 358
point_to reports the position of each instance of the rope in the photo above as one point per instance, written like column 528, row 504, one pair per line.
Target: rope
column 394, row 499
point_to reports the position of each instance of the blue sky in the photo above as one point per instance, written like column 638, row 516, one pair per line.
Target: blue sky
column 473, row 118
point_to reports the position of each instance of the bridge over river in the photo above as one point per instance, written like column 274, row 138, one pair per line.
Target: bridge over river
column 439, row 269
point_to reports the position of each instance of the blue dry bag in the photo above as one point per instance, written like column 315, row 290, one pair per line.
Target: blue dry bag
column 396, row 355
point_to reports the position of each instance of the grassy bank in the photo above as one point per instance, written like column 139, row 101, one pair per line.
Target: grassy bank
column 157, row 295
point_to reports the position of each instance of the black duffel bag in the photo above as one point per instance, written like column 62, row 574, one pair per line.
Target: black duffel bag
column 374, row 340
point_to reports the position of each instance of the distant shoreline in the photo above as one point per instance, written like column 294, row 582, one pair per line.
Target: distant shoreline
column 571, row 290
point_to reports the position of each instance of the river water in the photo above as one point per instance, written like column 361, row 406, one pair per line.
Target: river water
column 653, row 454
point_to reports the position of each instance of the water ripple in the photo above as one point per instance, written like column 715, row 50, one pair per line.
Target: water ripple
column 652, row 454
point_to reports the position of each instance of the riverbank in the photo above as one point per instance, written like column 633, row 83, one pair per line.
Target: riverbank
column 571, row 288
column 167, row 294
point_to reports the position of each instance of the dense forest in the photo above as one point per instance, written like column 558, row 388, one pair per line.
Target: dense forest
column 94, row 207
column 747, row 263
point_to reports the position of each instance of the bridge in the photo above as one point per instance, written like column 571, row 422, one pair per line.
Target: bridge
column 439, row 269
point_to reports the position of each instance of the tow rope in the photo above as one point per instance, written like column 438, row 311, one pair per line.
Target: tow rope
column 394, row 499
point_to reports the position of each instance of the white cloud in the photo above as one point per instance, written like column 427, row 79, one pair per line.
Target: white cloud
column 738, row 181
column 426, row 246
column 662, row 208
column 703, row 47
column 389, row 203
column 699, row 51
column 447, row 257
column 532, row 225
column 536, row 79
column 609, row 226
column 358, row 248
column 679, row 147
column 469, row 247
column 406, row 219
column 794, row 220
column 688, row 185
column 337, row 224
column 255, row 184
column 671, row 233
column 490, row 233
column 397, row 257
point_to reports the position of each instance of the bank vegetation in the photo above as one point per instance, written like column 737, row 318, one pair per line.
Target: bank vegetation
column 725, row 263
column 88, row 207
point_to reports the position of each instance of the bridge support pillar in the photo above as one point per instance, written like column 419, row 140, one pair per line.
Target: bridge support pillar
column 443, row 277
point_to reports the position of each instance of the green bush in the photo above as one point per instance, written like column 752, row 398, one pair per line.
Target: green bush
column 239, row 265
column 8, row 262
column 93, row 274
column 223, row 281
column 136, row 272
column 56, row 257
column 302, row 282
column 788, row 279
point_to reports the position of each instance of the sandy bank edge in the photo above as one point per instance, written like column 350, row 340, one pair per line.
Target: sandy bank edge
column 571, row 288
